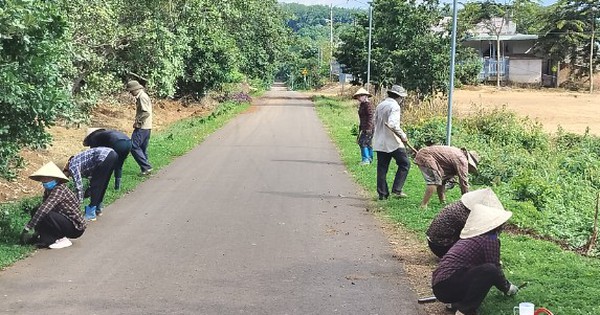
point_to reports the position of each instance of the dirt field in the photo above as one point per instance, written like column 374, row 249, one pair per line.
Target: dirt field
column 573, row 111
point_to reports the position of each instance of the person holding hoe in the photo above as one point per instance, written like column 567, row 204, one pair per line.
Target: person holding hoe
column 439, row 164
column 471, row 267
column 58, row 218
column 114, row 139
column 365, row 128
column 388, row 141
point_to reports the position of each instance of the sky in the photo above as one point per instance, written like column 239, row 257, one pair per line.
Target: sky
column 362, row 3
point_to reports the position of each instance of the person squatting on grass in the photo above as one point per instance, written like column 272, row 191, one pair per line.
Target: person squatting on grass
column 388, row 141
column 471, row 267
column 114, row 139
column 439, row 164
column 97, row 164
column 58, row 218
column 365, row 128
column 444, row 230
column 142, row 126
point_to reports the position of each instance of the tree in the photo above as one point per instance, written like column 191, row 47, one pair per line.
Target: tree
column 33, row 93
column 569, row 34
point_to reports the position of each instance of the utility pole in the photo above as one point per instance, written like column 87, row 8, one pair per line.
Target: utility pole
column 452, row 62
column 369, row 55
column 331, row 43
column 592, row 43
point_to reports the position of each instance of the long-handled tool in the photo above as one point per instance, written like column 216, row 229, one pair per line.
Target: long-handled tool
column 429, row 299
column 405, row 142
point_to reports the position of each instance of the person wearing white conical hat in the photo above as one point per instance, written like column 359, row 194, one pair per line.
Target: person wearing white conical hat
column 58, row 218
column 472, row 267
column 439, row 164
column 444, row 230
column 365, row 127
column 114, row 139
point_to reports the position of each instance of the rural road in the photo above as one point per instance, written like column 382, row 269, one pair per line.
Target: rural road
column 259, row 219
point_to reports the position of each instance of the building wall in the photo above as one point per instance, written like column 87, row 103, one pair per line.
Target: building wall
column 525, row 70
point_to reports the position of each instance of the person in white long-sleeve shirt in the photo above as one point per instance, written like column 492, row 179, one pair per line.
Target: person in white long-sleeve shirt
column 388, row 142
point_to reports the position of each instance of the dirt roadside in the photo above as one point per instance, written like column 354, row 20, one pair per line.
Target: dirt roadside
column 68, row 140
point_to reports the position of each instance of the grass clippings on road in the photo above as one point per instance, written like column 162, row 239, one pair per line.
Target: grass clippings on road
column 562, row 281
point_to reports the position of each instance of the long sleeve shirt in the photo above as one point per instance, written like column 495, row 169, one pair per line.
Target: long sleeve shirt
column 447, row 162
column 365, row 115
column 143, row 111
column 83, row 164
column 446, row 226
column 468, row 253
column 62, row 200
column 386, row 139
column 105, row 138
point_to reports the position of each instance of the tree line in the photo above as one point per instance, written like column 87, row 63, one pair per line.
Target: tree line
column 57, row 58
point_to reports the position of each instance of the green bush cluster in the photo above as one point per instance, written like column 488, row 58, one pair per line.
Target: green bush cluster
column 549, row 181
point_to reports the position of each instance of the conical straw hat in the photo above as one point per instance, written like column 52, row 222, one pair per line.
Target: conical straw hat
column 473, row 159
column 360, row 92
column 483, row 219
column 49, row 170
column 88, row 133
column 484, row 196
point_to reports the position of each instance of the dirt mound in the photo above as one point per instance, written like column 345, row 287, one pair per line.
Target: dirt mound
column 68, row 140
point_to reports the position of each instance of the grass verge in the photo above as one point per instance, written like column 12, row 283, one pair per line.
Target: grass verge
column 164, row 147
column 562, row 281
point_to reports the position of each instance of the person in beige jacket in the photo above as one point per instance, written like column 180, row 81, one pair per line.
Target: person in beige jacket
column 388, row 142
column 142, row 127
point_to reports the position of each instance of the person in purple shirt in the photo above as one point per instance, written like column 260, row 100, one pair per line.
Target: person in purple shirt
column 97, row 164
column 471, row 267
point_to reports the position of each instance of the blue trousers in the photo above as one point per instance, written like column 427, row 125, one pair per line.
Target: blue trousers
column 139, row 144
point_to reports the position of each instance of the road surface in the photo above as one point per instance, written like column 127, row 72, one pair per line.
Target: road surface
column 259, row 219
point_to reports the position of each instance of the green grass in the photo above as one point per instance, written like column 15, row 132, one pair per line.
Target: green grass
column 562, row 281
column 164, row 147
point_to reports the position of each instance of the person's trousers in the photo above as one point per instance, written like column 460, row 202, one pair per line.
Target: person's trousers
column 100, row 178
column 383, row 164
column 54, row 226
column 139, row 145
column 467, row 288
column 122, row 147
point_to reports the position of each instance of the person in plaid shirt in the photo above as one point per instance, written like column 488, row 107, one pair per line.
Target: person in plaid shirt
column 58, row 218
column 97, row 164
column 471, row 267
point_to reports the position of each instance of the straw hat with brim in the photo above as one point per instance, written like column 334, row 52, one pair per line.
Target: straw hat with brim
column 89, row 132
column 483, row 219
column 484, row 196
column 360, row 92
column 473, row 159
column 133, row 85
column 398, row 90
column 49, row 170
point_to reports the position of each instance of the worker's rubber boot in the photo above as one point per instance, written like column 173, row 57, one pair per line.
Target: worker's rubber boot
column 90, row 213
column 364, row 152
column 117, row 183
column 370, row 153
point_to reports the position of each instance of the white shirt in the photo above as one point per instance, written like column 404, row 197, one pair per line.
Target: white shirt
column 384, row 139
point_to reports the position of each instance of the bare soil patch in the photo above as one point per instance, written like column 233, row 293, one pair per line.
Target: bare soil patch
column 68, row 140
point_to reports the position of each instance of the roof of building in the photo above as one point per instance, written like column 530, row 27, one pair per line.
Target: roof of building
column 502, row 37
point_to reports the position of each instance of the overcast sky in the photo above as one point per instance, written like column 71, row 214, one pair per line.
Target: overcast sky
column 362, row 3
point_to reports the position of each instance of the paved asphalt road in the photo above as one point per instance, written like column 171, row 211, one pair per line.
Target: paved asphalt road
column 259, row 219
